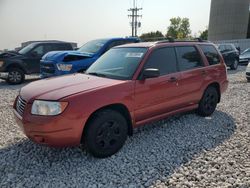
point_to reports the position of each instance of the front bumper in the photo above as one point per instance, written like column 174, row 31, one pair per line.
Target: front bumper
column 4, row 75
column 56, row 131
column 49, row 69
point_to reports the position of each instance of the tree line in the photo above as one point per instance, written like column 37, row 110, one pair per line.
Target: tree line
column 179, row 28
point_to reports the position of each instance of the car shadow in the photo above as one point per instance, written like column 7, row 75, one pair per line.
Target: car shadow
column 154, row 152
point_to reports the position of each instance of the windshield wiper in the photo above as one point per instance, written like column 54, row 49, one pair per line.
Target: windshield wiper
column 97, row 74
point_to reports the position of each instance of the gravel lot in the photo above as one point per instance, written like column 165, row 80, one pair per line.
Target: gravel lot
column 183, row 151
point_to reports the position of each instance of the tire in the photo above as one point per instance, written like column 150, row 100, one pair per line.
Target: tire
column 106, row 133
column 209, row 102
column 15, row 76
column 235, row 65
column 248, row 79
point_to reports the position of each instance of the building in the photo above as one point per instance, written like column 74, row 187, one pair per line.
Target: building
column 229, row 20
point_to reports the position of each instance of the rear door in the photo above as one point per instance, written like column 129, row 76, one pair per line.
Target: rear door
column 156, row 96
column 193, row 75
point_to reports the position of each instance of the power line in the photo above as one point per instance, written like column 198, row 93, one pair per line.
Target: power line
column 134, row 15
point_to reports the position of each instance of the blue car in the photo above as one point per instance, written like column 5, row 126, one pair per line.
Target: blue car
column 67, row 62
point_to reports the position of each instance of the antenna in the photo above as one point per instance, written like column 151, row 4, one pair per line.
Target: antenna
column 135, row 24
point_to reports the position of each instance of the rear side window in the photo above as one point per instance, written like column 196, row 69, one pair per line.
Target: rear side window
column 189, row 58
column 163, row 59
column 211, row 54
column 63, row 46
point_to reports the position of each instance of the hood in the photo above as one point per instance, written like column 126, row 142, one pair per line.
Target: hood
column 63, row 86
column 9, row 54
column 65, row 56
column 244, row 56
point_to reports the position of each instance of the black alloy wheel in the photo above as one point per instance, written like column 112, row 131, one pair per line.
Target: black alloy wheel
column 106, row 133
column 208, row 102
column 15, row 76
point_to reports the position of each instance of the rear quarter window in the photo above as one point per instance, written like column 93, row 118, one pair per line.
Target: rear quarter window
column 211, row 54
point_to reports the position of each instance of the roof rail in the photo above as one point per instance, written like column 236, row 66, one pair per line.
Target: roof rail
column 187, row 40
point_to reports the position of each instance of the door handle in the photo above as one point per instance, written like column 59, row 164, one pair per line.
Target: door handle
column 173, row 79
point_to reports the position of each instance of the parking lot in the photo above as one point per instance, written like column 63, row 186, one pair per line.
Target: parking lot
column 182, row 151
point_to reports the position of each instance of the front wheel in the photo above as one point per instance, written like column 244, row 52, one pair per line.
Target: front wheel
column 106, row 133
column 15, row 76
column 235, row 65
column 208, row 102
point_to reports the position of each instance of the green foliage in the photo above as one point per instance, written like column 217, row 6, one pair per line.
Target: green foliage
column 151, row 36
column 204, row 35
column 179, row 28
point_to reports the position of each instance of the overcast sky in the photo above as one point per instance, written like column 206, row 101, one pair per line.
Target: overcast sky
column 82, row 20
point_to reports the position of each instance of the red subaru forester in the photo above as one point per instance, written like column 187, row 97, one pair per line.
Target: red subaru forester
column 128, row 86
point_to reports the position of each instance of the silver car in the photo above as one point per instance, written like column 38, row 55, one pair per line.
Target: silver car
column 245, row 57
column 248, row 72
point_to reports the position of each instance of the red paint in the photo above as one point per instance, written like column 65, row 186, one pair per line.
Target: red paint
column 146, row 101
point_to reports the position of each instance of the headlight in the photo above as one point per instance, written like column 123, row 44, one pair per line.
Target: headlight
column 48, row 108
column 1, row 63
column 64, row 67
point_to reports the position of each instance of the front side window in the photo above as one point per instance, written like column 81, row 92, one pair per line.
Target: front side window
column 27, row 49
column 163, row 59
column 39, row 50
column 118, row 63
column 211, row 54
column 188, row 58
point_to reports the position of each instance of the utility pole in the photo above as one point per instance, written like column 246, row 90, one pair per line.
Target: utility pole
column 135, row 24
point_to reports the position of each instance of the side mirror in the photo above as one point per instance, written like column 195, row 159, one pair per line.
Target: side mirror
column 150, row 73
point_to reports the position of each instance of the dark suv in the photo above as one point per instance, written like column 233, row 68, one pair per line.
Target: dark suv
column 230, row 55
column 14, row 65
column 127, row 87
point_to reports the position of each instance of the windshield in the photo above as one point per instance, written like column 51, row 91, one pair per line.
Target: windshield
column 118, row 63
column 92, row 47
column 247, row 50
column 26, row 49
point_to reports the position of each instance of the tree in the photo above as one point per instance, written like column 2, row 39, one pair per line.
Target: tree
column 151, row 36
column 179, row 28
column 204, row 35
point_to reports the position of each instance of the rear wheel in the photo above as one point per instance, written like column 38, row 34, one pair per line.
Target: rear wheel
column 15, row 76
column 208, row 102
column 235, row 65
column 106, row 133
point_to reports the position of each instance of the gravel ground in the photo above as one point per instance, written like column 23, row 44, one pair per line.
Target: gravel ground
column 182, row 151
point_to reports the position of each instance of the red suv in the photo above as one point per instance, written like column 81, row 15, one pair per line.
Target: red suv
column 127, row 87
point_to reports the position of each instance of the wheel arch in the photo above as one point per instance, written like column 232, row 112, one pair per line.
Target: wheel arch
column 121, row 108
column 216, row 85
column 16, row 65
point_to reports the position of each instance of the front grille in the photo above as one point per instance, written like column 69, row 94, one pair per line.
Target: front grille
column 47, row 68
column 20, row 105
